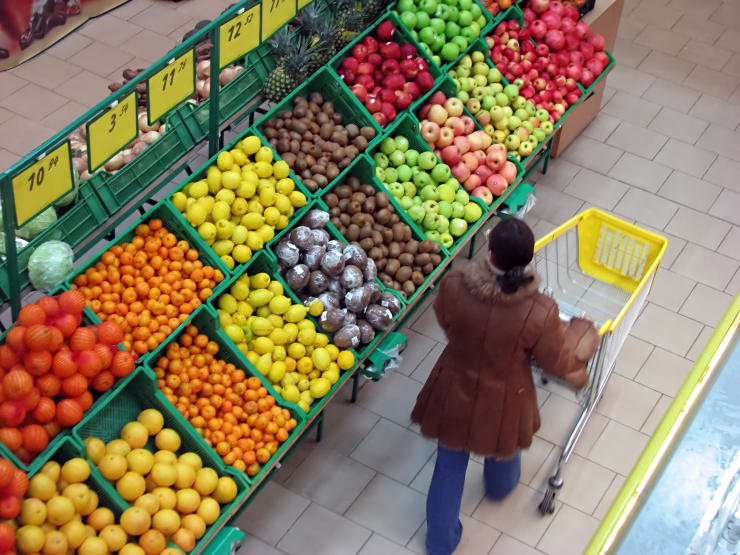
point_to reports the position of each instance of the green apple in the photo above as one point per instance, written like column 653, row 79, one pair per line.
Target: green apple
column 439, row 42
column 531, row 109
column 522, row 114
column 542, row 114
column 381, row 160
column 427, row 160
column 461, row 196
column 466, row 62
column 406, row 5
column 501, row 99
column 441, row 173
column 406, row 202
column 539, row 134
column 443, row 224
column 431, row 206
column 462, row 95
column 442, row 11
column 452, row 29
column 430, row 220
column 454, row 183
column 511, row 92
column 412, row 157
column 480, row 81
column 445, row 191
column 387, row 146
column 402, row 143
column 391, row 174
column 438, row 25
column 494, row 75
column 404, row 172
column 446, row 239
column 496, row 88
column 427, row 35
column 457, row 210
column 429, row 6
column 445, row 208
column 465, row 18
column 472, row 212
column 462, row 41
column 547, row 126
column 525, row 149
column 499, row 136
column 478, row 56
column 458, row 226
column 408, row 19
column 422, row 179
column 432, row 235
column 481, row 68
column 396, row 158
column 380, row 173
column 512, row 142
column 450, row 51
column 514, row 123
column 396, row 189
column 497, row 113
column 453, row 14
column 422, row 20
column 519, row 103
column 429, row 192
column 410, row 189
column 416, row 213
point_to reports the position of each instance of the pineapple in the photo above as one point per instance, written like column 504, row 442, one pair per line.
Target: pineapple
column 291, row 70
column 320, row 26
column 371, row 9
column 351, row 21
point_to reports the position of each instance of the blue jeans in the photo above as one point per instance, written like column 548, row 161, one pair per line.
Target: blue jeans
column 444, row 528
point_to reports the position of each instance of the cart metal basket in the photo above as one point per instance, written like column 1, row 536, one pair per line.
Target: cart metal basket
column 598, row 267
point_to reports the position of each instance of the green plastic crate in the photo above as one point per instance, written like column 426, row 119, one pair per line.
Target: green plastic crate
column 402, row 36
column 364, row 170
column 408, row 127
column 326, row 82
column 174, row 222
column 200, row 173
column 228, row 540
column 74, row 225
column 106, row 420
column 236, row 94
column 265, row 262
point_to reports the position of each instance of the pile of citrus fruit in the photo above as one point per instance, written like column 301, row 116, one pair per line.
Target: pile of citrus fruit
column 233, row 412
column 13, row 486
column 49, row 367
column 171, row 498
column 149, row 285
column 241, row 202
column 280, row 340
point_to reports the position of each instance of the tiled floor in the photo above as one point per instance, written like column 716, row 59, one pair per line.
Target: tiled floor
column 664, row 152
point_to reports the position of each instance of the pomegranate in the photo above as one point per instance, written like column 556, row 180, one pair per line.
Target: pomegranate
column 555, row 39
column 539, row 6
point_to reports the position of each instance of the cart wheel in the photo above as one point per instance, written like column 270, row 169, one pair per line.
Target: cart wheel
column 547, row 505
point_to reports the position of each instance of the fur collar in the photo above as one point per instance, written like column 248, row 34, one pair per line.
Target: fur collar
column 480, row 280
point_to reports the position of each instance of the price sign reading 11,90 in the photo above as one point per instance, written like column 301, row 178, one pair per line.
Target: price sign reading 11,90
column 275, row 14
column 239, row 35
column 111, row 131
column 170, row 86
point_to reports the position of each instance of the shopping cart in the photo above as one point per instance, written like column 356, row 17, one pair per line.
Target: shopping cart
column 598, row 267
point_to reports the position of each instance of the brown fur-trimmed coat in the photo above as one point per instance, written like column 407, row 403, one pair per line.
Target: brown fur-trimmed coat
column 480, row 396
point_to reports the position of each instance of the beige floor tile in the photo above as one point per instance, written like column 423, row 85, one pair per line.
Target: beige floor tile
column 33, row 135
column 597, row 189
column 722, row 141
column 700, row 343
column 630, row 27
column 132, row 7
column 272, row 513
column 655, row 14
column 637, row 140
column 310, row 530
column 692, row 225
column 592, row 154
column 646, row 207
column 666, row 66
column 710, row 81
column 533, row 458
column 255, row 546
column 666, row 329
column 477, row 538
column 561, row 172
column 346, row 425
column 148, row 45
column 116, row 75
column 390, row 509
column 570, row 532
column 734, row 286
column 506, row 545
column 705, row 54
column 629, row 53
column 558, row 416
column 733, row 65
column 33, row 102
column 61, row 118
column 609, row 497
column 627, row 108
column 555, row 206
column 591, row 432
column 690, row 191
column 618, row 448
column 671, row 95
column 627, row 402
column 731, row 244
column 669, row 290
column 680, row 126
column 640, row 172
column 706, row 305
column 393, row 397
column 46, row 70
column 330, row 479
column 428, row 326
column 727, row 14
column 473, row 491
column 656, row 415
column 378, row 545
column 86, row 88
column 160, row 18
column 730, row 40
column 662, row 40
column 608, row 94
column 629, row 80
column 99, row 58
column 727, row 207
column 724, row 172
column 7, row 158
column 715, row 110
column 66, row 48
column 686, row 158
column 601, row 127
column 697, row 28
column 517, row 515
column 425, row 367
column 542, row 395
column 203, row 9
column 110, row 30
column 394, row 451
column 664, row 372
column 703, row 265
column 543, row 228
column 693, row 9
column 418, row 347
column 633, row 354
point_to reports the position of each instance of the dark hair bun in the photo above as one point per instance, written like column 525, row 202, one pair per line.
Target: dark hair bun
column 511, row 244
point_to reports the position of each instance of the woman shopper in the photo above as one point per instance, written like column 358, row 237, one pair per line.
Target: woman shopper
column 480, row 397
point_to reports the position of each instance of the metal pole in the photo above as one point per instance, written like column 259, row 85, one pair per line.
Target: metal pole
column 213, row 105
column 10, row 251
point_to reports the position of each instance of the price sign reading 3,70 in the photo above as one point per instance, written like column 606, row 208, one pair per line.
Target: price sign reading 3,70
column 275, row 14
column 41, row 184
column 239, row 35
column 111, row 131
column 170, row 86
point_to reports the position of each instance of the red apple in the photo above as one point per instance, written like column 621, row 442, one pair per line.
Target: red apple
column 450, row 155
column 390, row 50
column 372, row 103
column 350, row 64
column 360, row 92
column 482, row 193
column 360, row 52
column 394, row 81
column 385, row 30
column 403, row 100
column 389, row 110
column 408, row 51
column 380, row 118
column 390, row 66
column 409, row 68
column 375, row 59
column 371, row 44
column 425, row 81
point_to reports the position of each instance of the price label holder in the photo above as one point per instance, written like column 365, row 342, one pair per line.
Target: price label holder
column 111, row 131
column 170, row 86
column 43, row 183
column 239, row 35
column 275, row 14
column 303, row 3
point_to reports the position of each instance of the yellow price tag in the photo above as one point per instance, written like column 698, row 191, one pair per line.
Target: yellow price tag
column 44, row 182
column 275, row 14
column 170, row 86
column 303, row 3
column 239, row 35
column 111, row 131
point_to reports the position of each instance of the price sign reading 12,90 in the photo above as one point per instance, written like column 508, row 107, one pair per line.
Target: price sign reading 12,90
column 239, row 35
column 41, row 184
column 275, row 14
column 170, row 86
column 111, row 131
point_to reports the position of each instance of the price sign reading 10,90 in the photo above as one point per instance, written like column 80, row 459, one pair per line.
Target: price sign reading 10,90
column 239, row 35
column 111, row 131
column 170, row 86
column 275, row 14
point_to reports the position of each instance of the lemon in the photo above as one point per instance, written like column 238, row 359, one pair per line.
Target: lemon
column 231, row 179
column 280, row 169
column 207, row 203
column 206, row 481
column 224, row 319
column 278, row 353
column 282, row 203
column 239, row 157
column 264, row 364
column 304, row 365
column 267, row 198
column 220, row 210
column 198, row 189
column 263, row 169
column 282, row 222
column 266, row 232
column 279, row 336
column 245, row 309
column 59, row 510
column 112, row 466
column 152, row 420
column 345, row 360
column 306, row 324
column 316, row 308
column 296, row 351
column 277, row 372
column 297, row 199
column 213, row 179
column 263, row 311
column 135, row 434
column 42, row 487
column 250, row 145
column 196, row 214
column 207, row 231
column 332, row 376
column 263, row 345
column 264, row 154
column 167, row 439
column 33, row 512
column 148, row 502
column 305, row 407
column 254, row 241
column 228, row 261
column 239, row 207
column 225, row 195
column 193, row 459
column 223, row 247
column 295, row 313
column 241, row 254
column 292, row 330
column 227, row 303
column 319, row 387
column 291, row 393
column 166, row 497
column 239, row 235
column 261, row 326
column 259, row 297
column 224, row 161
column 252, row 221
column 180, row 199
column 29, row 539
column 188, row 500
column 79, row 494
column 307, row 336
column 313, row 374
column 320, row 358
column 322, row 340
column 260, row 281
column 131, row 485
